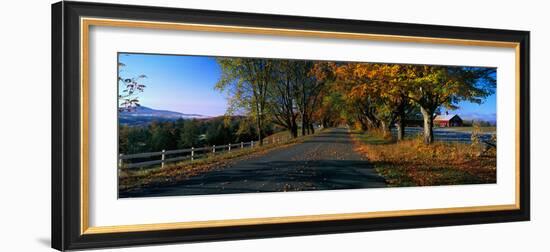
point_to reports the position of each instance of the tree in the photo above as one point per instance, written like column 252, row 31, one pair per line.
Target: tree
column 129, row 88
column 219, row 133
column 189, row 134
column 311, row 78
column 432, row 87
column 329, row 112
column 123, row 132
column 245, row 130
column 138, row 140
column 396, row 106
column 329, row 105
column 282, row 95
column 375, row 94
column 246, row 81
column 160, row 137
column 384, row 94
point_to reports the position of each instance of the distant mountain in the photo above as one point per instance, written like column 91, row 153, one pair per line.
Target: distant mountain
column 144, row 115
column 492, row 117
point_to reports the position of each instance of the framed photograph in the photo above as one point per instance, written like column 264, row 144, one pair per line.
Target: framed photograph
column 178, row 125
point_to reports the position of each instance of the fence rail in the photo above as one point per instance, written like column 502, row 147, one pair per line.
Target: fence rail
column 452, row 139
column 488, row 143
column 193, row 153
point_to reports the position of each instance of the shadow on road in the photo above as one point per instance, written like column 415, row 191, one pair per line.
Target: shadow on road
column 327, row 141
column 326, row 161
column 274, row 176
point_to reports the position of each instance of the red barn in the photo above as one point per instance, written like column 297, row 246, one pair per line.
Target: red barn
column 448, row 120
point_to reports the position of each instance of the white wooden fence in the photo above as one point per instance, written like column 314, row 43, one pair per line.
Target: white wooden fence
column 190, row 153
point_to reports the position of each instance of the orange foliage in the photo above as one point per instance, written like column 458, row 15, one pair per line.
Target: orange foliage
column 412, row 163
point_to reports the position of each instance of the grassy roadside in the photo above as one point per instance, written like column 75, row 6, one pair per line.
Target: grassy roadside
column 412, row 163
column 129, row 180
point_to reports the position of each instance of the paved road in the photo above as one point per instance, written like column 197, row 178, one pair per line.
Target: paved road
column 324, row 161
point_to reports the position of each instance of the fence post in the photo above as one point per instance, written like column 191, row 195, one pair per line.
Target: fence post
column 214, row 148
column 242, row 145
column 252, row 144
column 229, row 148
column 120, row 161
column 162, row 164
column 192, row 153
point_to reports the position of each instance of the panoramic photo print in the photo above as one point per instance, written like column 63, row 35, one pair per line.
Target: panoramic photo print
column 204, row 125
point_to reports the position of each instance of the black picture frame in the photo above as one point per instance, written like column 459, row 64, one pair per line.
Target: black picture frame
column 66, row 114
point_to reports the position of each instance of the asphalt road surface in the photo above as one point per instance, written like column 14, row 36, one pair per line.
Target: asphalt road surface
column 325, row 161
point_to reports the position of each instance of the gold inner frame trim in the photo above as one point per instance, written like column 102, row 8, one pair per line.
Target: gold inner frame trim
column 85, row 24
column 289, row 219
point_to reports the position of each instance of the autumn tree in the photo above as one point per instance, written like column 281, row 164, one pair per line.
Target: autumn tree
column 390, row 80
column 330, row 103
column 375, row 94
column 432, row 87
column 246, row 80
column 311, row 78
column 330, row 109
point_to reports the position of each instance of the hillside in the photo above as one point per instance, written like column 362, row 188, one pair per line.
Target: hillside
column 144, row 115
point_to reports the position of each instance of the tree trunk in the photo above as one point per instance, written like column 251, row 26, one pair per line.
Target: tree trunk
column 386, row 131
column 259, row 127
column 260, row 135
column 304, row 125
column 364, row 124
column 400, row 128
column 294, row 130
column 428, row 115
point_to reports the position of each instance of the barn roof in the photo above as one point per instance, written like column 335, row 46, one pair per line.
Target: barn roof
column 445, row 117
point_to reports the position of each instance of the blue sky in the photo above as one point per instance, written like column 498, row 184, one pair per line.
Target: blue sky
column 185, row 84
column 487, row 109
column 178, row 83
